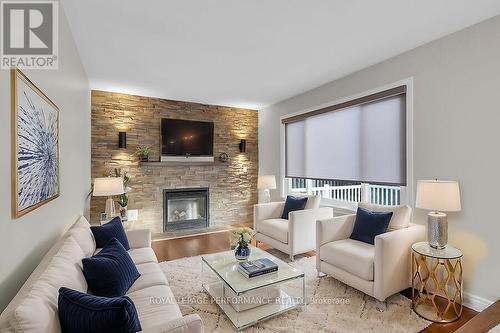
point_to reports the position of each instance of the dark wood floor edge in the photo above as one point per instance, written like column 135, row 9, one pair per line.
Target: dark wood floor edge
column 486, row 320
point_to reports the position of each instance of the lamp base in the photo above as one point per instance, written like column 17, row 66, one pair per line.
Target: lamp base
column 265, row 196
column 110, row 208
column 437, row 230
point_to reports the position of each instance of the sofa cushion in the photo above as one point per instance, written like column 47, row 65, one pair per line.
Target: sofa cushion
column 142, row 255
column 151, row 275
column 155, row 306
column 369, row 224
column 292, row 204
column 350, row 255
column 313, row 201
column 274, row 228
column 111, row 272
column 65, row 268
column 85, row 313
column 401, row 216
column 80, row 231
column 37, row 312
column 113, row 229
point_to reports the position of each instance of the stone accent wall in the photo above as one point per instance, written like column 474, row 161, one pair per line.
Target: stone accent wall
column 233, row 185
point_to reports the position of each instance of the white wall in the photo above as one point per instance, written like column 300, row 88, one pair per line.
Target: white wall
column 24, row 241
column 456, row 134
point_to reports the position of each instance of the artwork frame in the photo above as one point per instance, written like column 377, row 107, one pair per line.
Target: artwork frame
column 35, row 146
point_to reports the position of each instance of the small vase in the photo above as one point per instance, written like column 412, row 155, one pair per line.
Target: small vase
column 242, row 252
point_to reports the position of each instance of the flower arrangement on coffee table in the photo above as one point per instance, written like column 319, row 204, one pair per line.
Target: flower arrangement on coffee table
column 241, row 238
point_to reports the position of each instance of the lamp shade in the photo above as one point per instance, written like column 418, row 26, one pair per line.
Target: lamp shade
column 438, row 195
column 108, row 186
column 266, row 182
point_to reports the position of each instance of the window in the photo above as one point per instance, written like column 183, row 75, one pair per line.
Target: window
column 350, row 152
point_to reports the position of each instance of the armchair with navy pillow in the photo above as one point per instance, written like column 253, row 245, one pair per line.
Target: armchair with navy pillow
column 290, row 226
column 370, row 250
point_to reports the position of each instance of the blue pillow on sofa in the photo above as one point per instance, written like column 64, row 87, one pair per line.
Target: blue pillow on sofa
column 84, row 313
column 113, row 229
column 111, row 272
column 370, row 224
column 292, row 204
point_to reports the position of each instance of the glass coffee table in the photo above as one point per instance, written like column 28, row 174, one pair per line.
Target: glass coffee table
column 247, row 302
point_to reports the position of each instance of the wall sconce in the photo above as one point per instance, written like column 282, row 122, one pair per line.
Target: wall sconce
column 243, row 146
column 122, row 139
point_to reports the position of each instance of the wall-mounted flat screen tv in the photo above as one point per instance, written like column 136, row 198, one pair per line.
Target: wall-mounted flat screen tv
column 186, row 138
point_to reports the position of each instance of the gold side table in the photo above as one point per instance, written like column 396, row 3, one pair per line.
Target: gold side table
column 436, row 282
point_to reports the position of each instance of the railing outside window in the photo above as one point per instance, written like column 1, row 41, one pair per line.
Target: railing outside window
column 348, row 192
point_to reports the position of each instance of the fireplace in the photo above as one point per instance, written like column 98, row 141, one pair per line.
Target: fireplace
column 185, row 208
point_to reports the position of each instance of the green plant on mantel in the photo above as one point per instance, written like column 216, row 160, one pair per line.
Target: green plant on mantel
column 143, row 152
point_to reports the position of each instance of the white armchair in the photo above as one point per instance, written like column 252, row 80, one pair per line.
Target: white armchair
column 295, row 235
column 379, row 270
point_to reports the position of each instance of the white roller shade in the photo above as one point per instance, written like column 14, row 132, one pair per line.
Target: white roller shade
column 365, row 143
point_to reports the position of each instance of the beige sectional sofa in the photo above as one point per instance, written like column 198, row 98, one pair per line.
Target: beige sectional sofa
column 34, row 308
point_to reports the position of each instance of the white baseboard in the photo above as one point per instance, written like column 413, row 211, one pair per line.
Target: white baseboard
column 475, row 302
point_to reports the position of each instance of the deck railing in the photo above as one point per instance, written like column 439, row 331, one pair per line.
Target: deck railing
column 384, row 195
column 376, row 194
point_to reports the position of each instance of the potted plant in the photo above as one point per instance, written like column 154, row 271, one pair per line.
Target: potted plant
column 241, row 238
column 123, row 198
column 143, row 153
column 123, row 202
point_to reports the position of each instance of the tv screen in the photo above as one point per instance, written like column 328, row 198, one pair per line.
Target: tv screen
column 186, row 137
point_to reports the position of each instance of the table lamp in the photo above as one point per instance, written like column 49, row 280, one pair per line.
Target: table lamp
column 108, row 187
column 266, row 183
column 438, row 196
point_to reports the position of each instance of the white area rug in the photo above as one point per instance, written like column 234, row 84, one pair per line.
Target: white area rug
column 356, row 313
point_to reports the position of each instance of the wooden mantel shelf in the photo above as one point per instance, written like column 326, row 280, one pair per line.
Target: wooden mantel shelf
column 163, row 164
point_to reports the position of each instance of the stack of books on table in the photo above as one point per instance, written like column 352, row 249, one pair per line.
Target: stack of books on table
column 259, row 267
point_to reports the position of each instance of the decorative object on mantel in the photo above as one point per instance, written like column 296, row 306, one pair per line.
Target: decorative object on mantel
column 438, row 196
column 266, row 183
column 240, row 238
column 243, row 146
column 108, row 187
column 35, row 146
column 143, row 153
column 223, row 157
column 122, row 140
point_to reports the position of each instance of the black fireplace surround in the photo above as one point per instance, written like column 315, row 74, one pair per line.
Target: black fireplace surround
column 185, row 208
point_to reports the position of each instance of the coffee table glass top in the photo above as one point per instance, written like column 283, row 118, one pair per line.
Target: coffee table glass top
column 225, row 266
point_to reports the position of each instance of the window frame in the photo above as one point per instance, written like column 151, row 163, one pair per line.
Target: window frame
column 406, row 191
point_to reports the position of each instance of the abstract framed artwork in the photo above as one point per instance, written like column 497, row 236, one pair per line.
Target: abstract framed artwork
column 35, row 146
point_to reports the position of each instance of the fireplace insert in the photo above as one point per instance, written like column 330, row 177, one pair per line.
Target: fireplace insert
column 185, row 208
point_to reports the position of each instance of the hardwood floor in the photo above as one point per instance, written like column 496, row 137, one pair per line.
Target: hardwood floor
column 171, row 249
column 484, row 321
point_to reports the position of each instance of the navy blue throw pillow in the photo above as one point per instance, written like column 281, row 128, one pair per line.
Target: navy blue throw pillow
column 111, row 272
column 292, row 204
column 84, row 313
column 370, row 224
column 112, row 229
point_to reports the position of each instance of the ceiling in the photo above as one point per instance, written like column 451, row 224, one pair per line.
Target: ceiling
column 251, row 53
